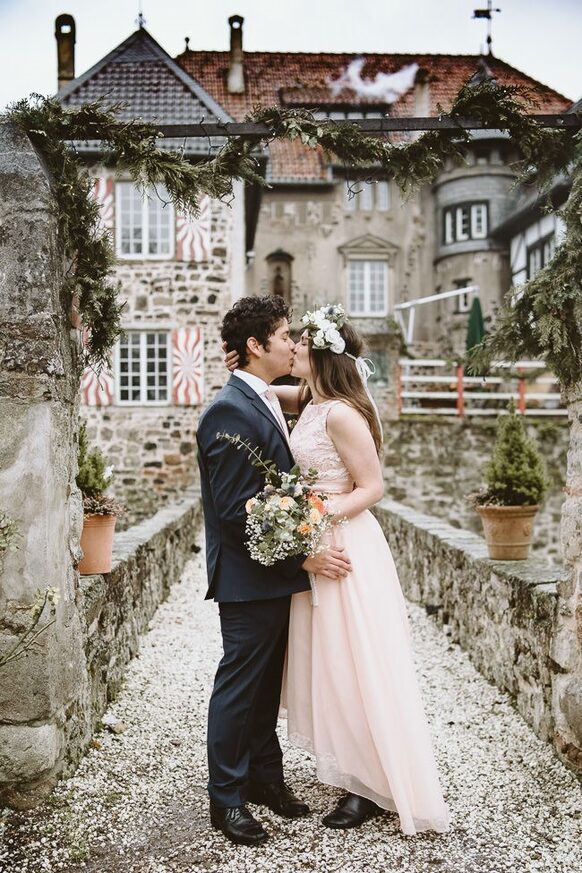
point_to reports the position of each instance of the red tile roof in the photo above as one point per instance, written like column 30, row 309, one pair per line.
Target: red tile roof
column 301, row 78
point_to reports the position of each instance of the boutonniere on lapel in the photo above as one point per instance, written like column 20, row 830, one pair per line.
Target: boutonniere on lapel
column 291, row 422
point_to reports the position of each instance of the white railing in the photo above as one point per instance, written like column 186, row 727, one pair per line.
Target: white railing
column 456, row 394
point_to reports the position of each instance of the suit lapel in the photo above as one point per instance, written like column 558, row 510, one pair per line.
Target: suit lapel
column 261, row 408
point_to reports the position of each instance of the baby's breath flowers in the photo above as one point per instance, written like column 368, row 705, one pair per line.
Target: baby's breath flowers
column 287, row 517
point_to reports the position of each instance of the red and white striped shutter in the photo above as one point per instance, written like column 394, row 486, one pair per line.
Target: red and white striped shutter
column 96, row 390
column 193, row 234
column 103, row 192
column 187, row 366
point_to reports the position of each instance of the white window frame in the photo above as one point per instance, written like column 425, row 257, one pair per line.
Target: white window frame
column 350, row 198
column 474, row 215
column 366, row 312
column 383, row 196
column 462, row 212
column 145, row 215
column 479, row 216
column 543, row 249
column 449, row 227
column 365, row 196
column 143, row 401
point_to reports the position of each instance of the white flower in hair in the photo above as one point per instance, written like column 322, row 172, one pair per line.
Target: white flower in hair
column 333, row 336
column 323, row 326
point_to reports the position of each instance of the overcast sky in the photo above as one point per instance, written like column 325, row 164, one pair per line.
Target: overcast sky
column 539, row 37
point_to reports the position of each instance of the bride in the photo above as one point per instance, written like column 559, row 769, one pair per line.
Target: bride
column 350, row 686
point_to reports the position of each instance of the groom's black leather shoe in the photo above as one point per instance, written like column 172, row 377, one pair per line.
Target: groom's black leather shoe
column 351, row 811
column 278, row 797
column 238, row 825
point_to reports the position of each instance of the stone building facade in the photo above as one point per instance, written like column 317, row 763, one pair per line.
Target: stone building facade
column 319, row 232
column 329, row 232
column 178, row 275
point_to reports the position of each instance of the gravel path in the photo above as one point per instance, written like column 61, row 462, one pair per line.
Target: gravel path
column 138, row 804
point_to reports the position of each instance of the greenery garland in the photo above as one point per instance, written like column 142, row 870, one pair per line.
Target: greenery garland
column 543, row 317
column 545, row 151
column 127, row 145
column 131, row 146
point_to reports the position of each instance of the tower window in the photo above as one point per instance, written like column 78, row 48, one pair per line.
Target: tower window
column 465, row 222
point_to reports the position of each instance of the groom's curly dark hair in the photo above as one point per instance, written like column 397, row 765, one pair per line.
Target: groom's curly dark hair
column 252, row 316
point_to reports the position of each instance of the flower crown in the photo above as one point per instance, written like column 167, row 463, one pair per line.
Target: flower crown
column 323, row 326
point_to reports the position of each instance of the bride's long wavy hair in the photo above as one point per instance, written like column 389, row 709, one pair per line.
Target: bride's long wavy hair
column 336, row 377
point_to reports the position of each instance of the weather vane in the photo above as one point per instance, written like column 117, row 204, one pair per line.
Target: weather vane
column 488, row 14
column 140, row 20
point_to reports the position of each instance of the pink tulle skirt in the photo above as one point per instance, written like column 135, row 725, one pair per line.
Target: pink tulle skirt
column 350, row 688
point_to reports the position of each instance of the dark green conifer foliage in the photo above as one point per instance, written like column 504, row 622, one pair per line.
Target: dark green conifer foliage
column 516, row 474
column 91, row 478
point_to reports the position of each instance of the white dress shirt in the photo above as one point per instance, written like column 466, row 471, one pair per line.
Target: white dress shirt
column 260, row 387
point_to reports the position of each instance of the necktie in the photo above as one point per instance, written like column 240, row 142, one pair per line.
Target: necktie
column 277, row 411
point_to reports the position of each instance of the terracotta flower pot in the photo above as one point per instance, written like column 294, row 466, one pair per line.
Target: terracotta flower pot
column 97, row 543
column 508, row 530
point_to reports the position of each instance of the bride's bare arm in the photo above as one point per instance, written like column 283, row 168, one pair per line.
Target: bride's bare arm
column 354, row 444
column 288, row 394
column 288, row 398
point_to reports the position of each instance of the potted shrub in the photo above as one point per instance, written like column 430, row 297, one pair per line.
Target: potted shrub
column 99, row 510
column 515, row 484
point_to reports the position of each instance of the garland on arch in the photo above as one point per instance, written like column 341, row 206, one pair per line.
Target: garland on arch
column 131, row 146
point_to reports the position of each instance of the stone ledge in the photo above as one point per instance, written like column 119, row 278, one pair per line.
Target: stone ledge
column 503, row 613
column 116, row 608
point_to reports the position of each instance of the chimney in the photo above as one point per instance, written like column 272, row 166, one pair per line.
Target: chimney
column 65, row 36
column 236, row 76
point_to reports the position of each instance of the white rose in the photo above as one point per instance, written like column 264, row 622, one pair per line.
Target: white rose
column 325, row 323
column 333, row 336
column 319, row 341
column 338, row 347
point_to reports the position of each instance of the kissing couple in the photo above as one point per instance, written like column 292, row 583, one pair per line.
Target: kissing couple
column 342, row 669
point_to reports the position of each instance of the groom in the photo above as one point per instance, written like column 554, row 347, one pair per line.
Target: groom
column 244, row 755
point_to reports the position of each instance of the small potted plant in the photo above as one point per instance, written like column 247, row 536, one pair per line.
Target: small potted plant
column 515, row 484
column 99, row 510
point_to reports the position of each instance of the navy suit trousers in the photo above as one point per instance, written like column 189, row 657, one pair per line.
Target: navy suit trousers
column 242, row 717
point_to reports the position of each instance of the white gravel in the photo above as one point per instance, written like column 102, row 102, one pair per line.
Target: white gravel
column 138, row 803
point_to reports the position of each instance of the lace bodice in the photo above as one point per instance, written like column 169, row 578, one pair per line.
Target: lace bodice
column 312, row 447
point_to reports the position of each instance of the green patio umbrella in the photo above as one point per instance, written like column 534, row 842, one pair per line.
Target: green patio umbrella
column 476, row 326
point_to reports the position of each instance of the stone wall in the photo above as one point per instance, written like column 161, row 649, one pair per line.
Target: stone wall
column 431, row 463
column 49, row 699
column 504, row 613
column 38, row 431
column 567, row 650
column 116, row 608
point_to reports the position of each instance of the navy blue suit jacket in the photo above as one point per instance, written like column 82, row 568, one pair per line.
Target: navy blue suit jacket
column 227, row 481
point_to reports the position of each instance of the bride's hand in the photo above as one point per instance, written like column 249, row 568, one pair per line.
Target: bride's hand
column 231, row 359
column 333, row 563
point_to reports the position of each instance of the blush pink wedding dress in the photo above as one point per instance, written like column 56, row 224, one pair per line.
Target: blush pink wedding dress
column 350, row 687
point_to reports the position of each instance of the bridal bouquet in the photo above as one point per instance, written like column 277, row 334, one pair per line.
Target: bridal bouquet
column 287, row 517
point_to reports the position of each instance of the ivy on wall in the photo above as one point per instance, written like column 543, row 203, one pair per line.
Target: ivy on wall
column 545, row 321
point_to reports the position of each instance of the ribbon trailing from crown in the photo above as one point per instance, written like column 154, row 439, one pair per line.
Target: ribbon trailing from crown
column 367, row 368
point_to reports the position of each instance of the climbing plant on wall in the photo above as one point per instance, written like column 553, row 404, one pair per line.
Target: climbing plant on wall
column 132, row 146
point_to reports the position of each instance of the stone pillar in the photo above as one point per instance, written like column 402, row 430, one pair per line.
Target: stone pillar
column 567, row 644
column 41, row 695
